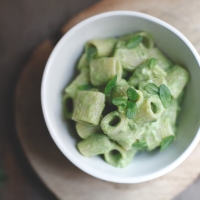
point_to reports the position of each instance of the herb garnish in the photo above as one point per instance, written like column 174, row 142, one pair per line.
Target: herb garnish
column 165, row 95
column 139, row 144
column 152, row 88
column 85, row 87
column 127, row 103
column 132, row 94
column 152, row 62
column 119, row 101
column 91, row 52
column 163, row 92
column 131, row 109
column 111, row 84
column 134, row 42
column 166, row 142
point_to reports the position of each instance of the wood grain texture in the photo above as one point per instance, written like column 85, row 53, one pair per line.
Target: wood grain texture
column 62, row 177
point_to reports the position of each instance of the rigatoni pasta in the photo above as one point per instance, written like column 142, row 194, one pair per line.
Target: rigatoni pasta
column 149, row 111
column 125, row 99
column 115, row 125
column 82, row 79
column 177, row 78
column 85, row 130
column 94, row 145
column 118, row 156
column 163, row 61
column 83, row 62
column 88, row 107
column 130, row 58
column 103, row 69
column 104, row 47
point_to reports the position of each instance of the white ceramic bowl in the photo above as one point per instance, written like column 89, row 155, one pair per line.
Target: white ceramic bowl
column 60, row 69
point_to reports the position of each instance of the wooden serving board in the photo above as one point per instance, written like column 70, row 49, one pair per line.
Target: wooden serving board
column 59, row 174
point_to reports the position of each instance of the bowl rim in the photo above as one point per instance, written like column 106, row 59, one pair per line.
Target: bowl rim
column 56, row 139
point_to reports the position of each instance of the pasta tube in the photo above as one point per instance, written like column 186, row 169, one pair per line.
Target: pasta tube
column 82, row 79
column 96, row 144
column 86, row 130
column 104, row 47
column 103, row 70
column 140, row 98
column 163, row 61
column 177, row 79
column 119, row 157
column 156, row 132
column 150, row 110
column 115, row 125
column 130, row 58
column 145, row 73
column 172, row 112
column 88, row 107
column 83, row 63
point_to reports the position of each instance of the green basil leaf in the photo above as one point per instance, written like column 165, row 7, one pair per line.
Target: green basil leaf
column 139, row 144
column 119, row 101
column 85, row 87
column 131, row 110
column 165, row 95
column 134, row 42
column 152, row 88
column 132, row 94
column 152, row 62
column 110, row 85
column 130, row 104
column 130, row 113
column 91, row 52
column 166, row 142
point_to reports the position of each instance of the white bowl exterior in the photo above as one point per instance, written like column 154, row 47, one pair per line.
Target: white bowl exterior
column 60, row 70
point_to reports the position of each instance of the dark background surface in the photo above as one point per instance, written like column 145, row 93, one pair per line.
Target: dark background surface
column 24, row 24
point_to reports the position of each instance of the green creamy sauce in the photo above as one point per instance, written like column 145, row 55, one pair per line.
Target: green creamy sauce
column 125, row 99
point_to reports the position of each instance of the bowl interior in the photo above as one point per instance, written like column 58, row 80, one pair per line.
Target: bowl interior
column 60, row 70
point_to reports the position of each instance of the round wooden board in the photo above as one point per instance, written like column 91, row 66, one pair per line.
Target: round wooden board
column 61, row 176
